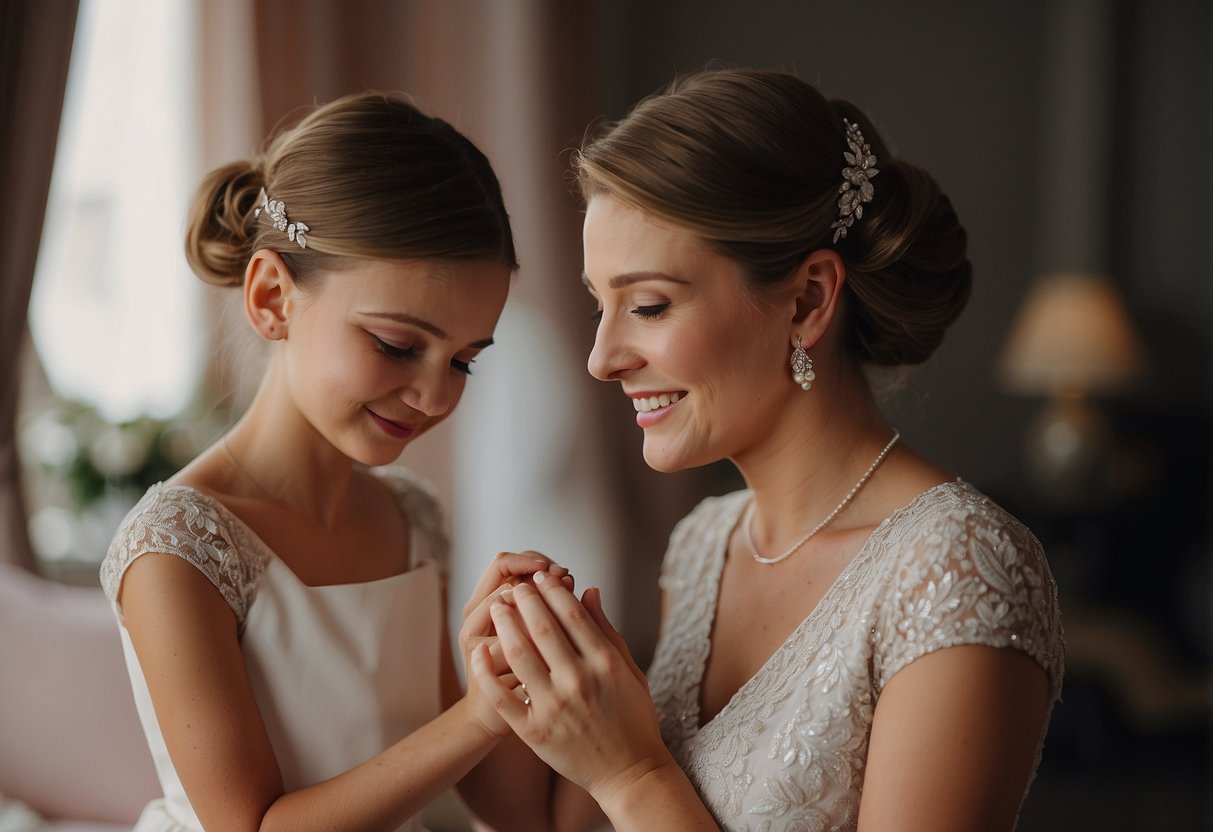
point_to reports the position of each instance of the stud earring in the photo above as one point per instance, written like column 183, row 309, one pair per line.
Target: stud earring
column 802, row 367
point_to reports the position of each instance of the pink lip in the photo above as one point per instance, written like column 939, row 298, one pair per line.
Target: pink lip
column 392, row 429
column 646, row 420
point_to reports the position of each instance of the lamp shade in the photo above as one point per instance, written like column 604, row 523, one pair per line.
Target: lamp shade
column 1073, row 335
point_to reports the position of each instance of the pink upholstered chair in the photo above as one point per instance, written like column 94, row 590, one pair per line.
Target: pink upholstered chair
column 71, row 747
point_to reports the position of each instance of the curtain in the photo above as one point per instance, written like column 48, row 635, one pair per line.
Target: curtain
column 35, row 50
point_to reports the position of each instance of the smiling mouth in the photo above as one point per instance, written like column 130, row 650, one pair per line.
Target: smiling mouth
column 393, row 427
column 644, row 404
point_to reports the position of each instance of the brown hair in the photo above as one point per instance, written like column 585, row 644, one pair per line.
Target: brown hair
column 751, row 162
column 371, row 176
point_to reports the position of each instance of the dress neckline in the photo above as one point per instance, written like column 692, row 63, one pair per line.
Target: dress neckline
column 727, row 523
column 271, row 556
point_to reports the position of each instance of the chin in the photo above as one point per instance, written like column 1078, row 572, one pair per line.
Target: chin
column 670, row 460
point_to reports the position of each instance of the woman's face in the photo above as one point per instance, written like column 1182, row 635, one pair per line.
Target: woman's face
column 703, row 359
column 379, row 353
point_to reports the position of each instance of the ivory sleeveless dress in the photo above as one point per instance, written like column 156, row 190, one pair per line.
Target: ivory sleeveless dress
column 340, row 672
column 787, row 752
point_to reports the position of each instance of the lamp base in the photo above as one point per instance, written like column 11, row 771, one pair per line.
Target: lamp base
column 1068, row 450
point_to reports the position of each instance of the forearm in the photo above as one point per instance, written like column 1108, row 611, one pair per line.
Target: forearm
column 510, row 789
column 393, row 786
column 658, row 798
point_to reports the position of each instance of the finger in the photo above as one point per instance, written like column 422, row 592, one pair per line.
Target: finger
column 584, row 632
column 552, row 566
column 502, row 568
column 496, row 653
column 592, row 601
column 520, row 653
column 499, row 694
column 477, row 623
column 545, row 628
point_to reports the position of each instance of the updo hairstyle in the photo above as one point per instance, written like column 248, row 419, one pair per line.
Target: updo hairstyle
column 371, row 176
column 751, row 162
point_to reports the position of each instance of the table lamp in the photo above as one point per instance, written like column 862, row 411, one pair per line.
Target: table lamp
column 1071, row 339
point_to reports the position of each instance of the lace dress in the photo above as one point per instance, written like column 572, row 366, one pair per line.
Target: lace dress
column 340, row 672
column 788, row 750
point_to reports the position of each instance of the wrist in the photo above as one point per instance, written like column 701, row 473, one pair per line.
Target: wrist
column 650, row 781
column 466, row 711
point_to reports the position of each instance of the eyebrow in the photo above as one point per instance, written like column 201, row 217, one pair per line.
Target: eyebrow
column 621, row 280
column 437, row 332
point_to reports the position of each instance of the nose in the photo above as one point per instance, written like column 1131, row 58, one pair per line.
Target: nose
column 610, row 355
column 433, row 392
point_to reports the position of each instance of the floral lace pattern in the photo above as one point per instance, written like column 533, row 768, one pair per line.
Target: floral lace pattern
column 788, row 750
column 182, row 521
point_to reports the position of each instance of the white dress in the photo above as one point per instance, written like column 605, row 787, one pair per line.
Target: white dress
column 788, row 750
column 339, row 672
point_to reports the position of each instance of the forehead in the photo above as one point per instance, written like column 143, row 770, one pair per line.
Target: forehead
column 445, row 290
column 620, row 239
column 418, row 278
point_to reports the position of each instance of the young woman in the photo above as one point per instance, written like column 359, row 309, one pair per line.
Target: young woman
column 281, row 598
column 859, row 639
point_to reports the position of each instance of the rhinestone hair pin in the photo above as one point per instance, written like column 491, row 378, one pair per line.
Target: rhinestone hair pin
column 856, row 189
column 276, row 209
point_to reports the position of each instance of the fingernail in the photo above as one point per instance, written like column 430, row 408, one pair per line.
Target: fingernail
column 506, row 596
column 540, row 577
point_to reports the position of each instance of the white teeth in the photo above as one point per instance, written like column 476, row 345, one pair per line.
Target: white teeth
column 647, row 403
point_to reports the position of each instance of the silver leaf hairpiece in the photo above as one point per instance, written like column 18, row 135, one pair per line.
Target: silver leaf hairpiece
column 856, row 189
column 276, row 209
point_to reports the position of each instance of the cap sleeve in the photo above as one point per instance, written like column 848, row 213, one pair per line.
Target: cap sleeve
column 188, row 524
column 971, row 574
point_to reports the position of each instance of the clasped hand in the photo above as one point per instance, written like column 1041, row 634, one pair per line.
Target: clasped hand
column 569, row 689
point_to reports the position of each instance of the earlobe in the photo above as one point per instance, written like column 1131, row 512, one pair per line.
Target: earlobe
column 821, row 276
column 267, row 281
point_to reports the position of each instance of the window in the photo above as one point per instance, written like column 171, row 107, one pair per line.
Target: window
column 115, row 315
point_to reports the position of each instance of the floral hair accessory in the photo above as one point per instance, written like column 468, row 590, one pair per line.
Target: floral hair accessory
column 276, row 209
column 856, row 189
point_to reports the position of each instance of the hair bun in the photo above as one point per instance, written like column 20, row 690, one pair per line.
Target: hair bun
column 218, row 239
column 908, row 268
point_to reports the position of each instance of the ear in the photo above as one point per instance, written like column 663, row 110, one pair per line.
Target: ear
column 268, row 284
column 819, row 281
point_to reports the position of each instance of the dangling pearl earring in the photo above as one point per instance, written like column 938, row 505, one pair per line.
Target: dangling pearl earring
column 802, row 367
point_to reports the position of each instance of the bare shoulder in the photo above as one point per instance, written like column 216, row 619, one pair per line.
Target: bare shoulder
column 210, row 473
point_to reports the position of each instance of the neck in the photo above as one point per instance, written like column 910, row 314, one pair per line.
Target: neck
column 278, row 456
column 823, row 443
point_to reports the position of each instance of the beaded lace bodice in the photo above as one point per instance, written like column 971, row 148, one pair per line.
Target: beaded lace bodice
column 788, row 750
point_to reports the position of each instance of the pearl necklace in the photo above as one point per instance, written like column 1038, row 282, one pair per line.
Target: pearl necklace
column 749, row 523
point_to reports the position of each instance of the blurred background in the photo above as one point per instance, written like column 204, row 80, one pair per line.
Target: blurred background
column 1073, row 137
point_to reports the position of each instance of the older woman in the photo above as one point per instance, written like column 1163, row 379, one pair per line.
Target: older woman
column 859, row 639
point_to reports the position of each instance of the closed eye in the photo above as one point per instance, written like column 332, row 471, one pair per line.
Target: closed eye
column 653, row 311
column 392, row 351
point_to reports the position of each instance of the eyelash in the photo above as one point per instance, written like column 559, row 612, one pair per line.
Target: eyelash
column 649, row 312
column 645, row 312
column 401, row 353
